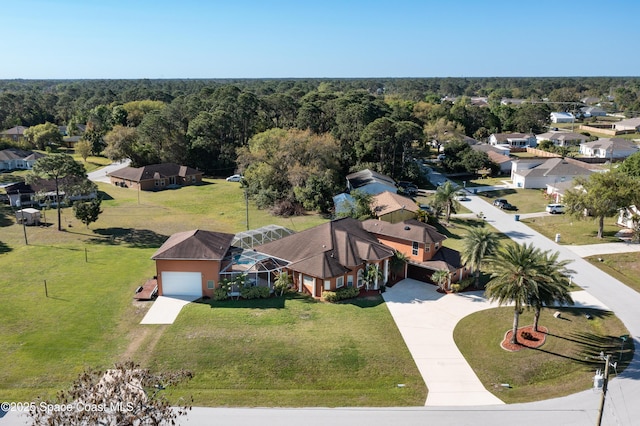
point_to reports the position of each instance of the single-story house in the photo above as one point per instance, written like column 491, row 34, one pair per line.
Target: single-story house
column 15, row 133
column 41, row 193
column 512, row 101
column 498, row 154
column 538, row 173
column 421, row 243
column 609, row 148
column 517, row 140
column 630, row 124
column 592, row 111
column 188, row 264
column 562, row 117
column 18, row 159
column 155, row 176
column 628, row 217
column 330, row 256
column 562, row 138
column 558, row 189
column 370, row 182
column 393, row 207
column 590, row 100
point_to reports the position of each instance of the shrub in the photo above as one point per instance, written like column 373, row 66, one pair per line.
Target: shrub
column 461, row 285
column 340, row 294
column 220, row 293
column 254, row 292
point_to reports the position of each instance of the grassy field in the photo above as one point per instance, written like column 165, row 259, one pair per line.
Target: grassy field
column 291, row 352
column 624, row 267
column 562, row 366
column 574, row 231
column 526, row 200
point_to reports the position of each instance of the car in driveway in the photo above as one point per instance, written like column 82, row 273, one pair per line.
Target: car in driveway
column 499, row 201
column 234, row 178
column 508, row 206
column 555, row 208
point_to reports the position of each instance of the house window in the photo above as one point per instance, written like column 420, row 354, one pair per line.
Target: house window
column 349, row 280
column 211, row 284
column 360, row 283
column 339, row 282
column 427, row 248
column 307, row 280
column 327, row 284
column 414, row 248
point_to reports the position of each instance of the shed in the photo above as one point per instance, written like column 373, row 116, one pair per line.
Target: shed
column 29, row 216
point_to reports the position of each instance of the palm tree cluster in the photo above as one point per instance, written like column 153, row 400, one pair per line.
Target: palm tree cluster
column 529, row 278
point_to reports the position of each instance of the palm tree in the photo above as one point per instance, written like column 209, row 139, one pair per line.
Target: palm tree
column 517, row 273
column 441, row 277
column 479, row 244
column 372, row 274
column 397, row 263
column 555, row 289
column 446, row 197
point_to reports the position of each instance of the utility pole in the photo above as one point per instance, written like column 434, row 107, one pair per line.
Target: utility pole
column 604, row 389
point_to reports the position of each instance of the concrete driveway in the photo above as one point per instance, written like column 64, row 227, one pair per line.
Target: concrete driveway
column 100, row 175
column 165, row 310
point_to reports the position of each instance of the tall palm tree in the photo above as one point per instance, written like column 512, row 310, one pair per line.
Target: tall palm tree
column 517, row 272
column 446, row 197
column 555, row 289
column 441, row 277
column 398, row 262
column 478, row 244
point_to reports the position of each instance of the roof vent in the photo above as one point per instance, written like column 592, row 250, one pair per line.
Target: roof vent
column 406, row 228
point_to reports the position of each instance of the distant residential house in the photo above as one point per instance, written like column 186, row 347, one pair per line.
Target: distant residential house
column 421, row 243
column 592, row 111
column 18, row 159
column 498, row 155
column 155, row 176
column 15, row 133
column 562, row 117
column 370, row 182
column 558, row 189
column 590, row 100
column 612, row 148
column 512, row 101
column 515, row 140
column 630, row 124
column 393, row 207
column 41, row 193
column 562, row 138
column 538, row 173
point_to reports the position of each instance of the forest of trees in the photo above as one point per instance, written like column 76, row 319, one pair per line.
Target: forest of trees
column 330, row 127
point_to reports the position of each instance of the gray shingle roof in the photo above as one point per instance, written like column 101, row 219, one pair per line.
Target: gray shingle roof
column 195, row 245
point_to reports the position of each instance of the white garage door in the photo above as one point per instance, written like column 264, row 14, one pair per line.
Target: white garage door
column 182, row 284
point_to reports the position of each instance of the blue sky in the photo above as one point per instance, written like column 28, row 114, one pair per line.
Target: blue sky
column 341, row 39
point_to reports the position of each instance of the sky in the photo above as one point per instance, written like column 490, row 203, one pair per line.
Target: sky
column 112, row 39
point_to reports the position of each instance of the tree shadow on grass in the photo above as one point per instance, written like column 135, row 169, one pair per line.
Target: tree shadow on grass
column 4, row 248
column 269, row 303
column 5, row 217
column 498, row 193
column 137, row 238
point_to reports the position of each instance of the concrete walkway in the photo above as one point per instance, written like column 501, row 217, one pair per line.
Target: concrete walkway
column 165, row 310
column 426, row 320
column 605, row 248
column 100, row 175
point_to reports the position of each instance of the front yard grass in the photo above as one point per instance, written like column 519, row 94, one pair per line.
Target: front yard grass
column 572, row 230
column 562, row 366
column 624, row 267
column 526, row 200
column 291, row 352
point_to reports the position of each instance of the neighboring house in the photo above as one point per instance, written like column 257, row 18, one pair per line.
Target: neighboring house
column 188, row 264
column 516, row 140
column 155, row 176
column 330, row 256
column 497, row 154
column 41, row 193
column 18, row 159
column 512, row 101
column 15, row 133
column 562, row 138
column 343, row 204
column 590, row 100
column 629, row 217
column 393, row 207
column 562, row 117
column 592, row 111
column 609, row 148
column 558, row 189
column 422, row 245
column 370, row 182
column 630, row 124
column 538, row 173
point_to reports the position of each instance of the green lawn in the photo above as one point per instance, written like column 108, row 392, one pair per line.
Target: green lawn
column 291, row 352
column 562, row 366
column 572, row 230
column 526, row 200
column 624, row 267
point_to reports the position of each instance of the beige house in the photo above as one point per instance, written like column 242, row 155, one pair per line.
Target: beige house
column 392, row 207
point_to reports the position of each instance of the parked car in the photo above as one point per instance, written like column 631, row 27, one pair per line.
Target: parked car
column 555, row 208
column 462, row 196
column 234, row 178
column 507, row 206
column 499, row 201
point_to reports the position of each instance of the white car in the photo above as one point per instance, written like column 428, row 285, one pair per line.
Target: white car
column 555, row 208
column 234, row 178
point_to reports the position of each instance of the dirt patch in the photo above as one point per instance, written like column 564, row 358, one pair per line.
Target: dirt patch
column 527, row 338
column 146, row 337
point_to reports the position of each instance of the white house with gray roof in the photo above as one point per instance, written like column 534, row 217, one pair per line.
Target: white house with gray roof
column 540, row 172
column 517, row 140
column 562, row 138
column 609, row 148
column 630, row 124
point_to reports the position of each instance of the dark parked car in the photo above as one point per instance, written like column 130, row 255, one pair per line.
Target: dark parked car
column 507, row 206
column 499, row 201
